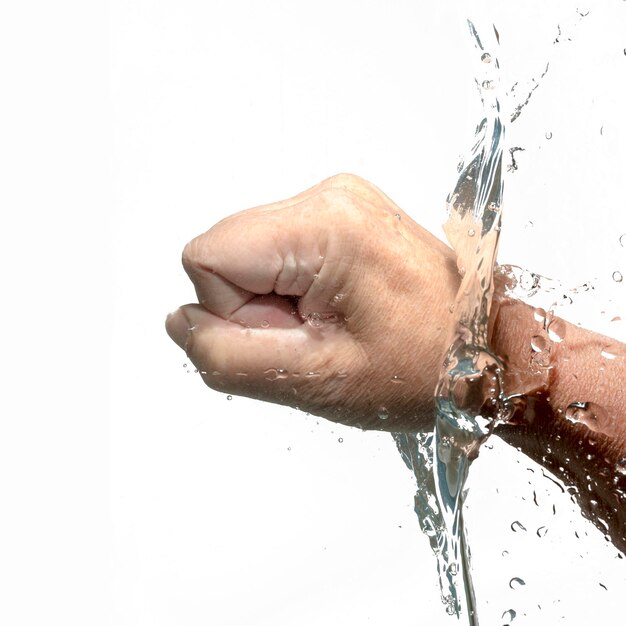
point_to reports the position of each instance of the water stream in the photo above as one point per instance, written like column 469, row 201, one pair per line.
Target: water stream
column 469, row 397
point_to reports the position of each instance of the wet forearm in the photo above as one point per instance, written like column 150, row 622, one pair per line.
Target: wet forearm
column 571, row 415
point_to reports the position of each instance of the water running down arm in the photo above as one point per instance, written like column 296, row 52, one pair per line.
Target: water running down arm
column 337, row 302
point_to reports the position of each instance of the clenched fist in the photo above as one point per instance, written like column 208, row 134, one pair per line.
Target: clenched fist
column 334, row 301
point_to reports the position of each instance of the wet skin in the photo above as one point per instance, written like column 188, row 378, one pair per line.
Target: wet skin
column 338, row 303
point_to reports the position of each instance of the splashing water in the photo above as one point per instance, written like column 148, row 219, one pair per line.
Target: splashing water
column 469, row 397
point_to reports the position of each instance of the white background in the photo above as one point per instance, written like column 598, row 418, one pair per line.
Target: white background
column 132, row 495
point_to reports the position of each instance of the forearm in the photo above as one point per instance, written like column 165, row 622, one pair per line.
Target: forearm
column 571, row 416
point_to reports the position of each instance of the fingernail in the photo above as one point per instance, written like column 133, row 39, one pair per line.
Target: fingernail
column 178, row 327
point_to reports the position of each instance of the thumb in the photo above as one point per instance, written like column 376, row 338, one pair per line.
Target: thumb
column 298, row 364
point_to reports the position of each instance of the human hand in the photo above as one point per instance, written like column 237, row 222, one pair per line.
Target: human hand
column 334, row 301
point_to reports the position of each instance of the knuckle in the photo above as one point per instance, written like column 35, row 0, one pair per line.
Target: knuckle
column 348, row 181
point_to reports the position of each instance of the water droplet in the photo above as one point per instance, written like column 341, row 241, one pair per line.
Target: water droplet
column 515, row 526
column 471, row 232
column 449, row 604
column 516, row 583
column 229, row 397
column 509, row 615
column 342, row 374
column 289, row 448
column 542, row 531
column 488, row 84
column 383, row 414
column 505, row 553
column 315, row 320
column 556, row 330
column 184, row 364
column 397, row 380
column 548, row 135
column 265, row 324
column 486, row 57
column 538, row 343
column 337, row 298
column 540, row 315
column 275, row 374
column 590, row 414
column 398, row 216
column 622, row 240
column 529, row 282
column 620, row 466
column 608, row 355
column 340, row 440
column 617, row 276
column 453, row 570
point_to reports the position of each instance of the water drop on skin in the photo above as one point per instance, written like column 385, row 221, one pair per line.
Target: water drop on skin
column 548, row 135
column 556, row 330
column 265, row 324
column 340, row 440
column 620, row 466
column 488, row 84
column 471, row 232
column 542, row 531
column 509, row 615
column 486, row 58
column 383, row 414
column 516, row 583
column 592, row 415
column 617, row 276
column 271, row 374
column 315, row 320
column 229, row 397
column 538, row 343
column 515, row 526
